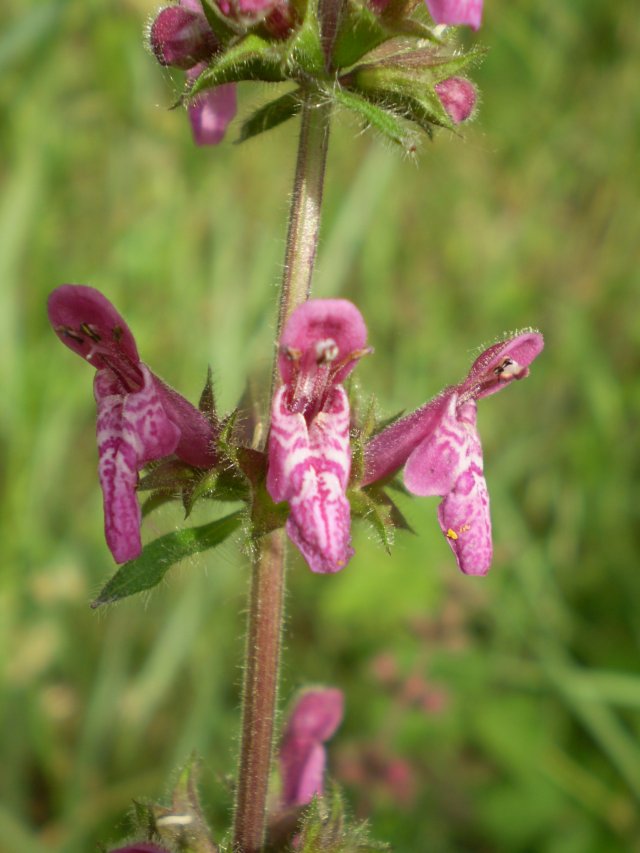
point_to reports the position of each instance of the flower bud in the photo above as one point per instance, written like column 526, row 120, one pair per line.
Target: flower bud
column 278, row 15
column 181, row 37
column 458, row 96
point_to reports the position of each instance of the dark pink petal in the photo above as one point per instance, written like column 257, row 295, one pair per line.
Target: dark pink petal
column 302, row 766
column 196, row 433
column 319, row 332
column 288, row 448
column 317, row 714
column 464, row 513
column 310, row 469
column 458, row 96
column 88, row 324
column 212, row 111
column 181, row 37
column 192, row 5
column 389, row 449
column 132, row 429
column 248, row 11
column 455, row 12
column 501, row 363
column 433, row 467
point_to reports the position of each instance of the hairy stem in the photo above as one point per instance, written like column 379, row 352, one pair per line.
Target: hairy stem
column 260, row 692
column 267, row 581
column 304, row 214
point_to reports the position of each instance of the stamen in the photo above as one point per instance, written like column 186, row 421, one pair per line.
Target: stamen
column 70, row 333
column 326, row 350
column 90, row 332
column 291, row 353
column 352, row 356
column 508, row 369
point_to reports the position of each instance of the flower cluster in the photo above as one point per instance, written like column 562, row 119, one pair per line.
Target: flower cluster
column 379, row 59
column 308, row 465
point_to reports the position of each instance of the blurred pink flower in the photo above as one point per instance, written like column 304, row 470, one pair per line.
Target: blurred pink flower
column 455, row 12
column 313, row 720
column 139, row 417
column 458, row 96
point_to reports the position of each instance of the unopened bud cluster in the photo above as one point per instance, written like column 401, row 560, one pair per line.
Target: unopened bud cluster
column 388, row 61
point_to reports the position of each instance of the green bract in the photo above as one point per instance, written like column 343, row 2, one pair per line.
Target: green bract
column 380, row 63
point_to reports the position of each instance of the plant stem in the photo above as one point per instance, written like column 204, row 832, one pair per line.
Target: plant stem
column 266, row 594
column 264, row 628
column 306, row 204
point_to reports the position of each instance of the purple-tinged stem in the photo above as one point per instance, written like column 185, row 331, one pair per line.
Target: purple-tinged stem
column 264, row 629
column 264, row 626
column 304, row 214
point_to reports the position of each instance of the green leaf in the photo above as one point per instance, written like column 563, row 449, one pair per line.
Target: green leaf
column 228, row 484
column 360, row 31
column 304, row 49
column 252, row 58
column 147, row 570
column 155, row 500
column 376, row 512
column 384, row 120
column 271, row 115
column 207, row 402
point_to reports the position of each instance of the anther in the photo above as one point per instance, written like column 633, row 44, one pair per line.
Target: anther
column 326, row 350
column 69, row 333
column 90, row 332
column 508, row 369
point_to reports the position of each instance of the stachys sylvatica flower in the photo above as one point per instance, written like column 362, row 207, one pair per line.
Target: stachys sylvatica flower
column 455, row 12
column 309, row 448
column 180, row 36
column 313, row 720
column 140, row 418
column 440, row 449
column 141, row 847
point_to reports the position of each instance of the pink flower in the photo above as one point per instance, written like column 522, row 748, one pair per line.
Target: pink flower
column 309, row 450
column 139, row 417
column 458, row 96
column 212, row 111
column 180, row 35
column 141, row 847
column 314, row 719
column 455, row 12
column 440, row 448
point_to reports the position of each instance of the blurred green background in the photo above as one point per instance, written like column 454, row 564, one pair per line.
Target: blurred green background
column 482, row 715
